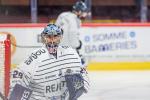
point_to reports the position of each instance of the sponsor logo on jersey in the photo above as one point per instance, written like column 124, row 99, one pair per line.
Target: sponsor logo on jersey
column 48, row 77
column 65, row 47
column 55, row 87
column 34, row 56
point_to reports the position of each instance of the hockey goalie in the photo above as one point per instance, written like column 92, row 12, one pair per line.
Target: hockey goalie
column 52, row 72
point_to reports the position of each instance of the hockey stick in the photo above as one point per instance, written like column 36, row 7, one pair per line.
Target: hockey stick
column 2, row 96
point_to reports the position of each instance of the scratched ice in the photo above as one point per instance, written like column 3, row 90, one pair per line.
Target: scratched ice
column 119, row 85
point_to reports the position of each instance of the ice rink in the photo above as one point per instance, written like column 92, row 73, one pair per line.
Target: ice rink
column 119, row 85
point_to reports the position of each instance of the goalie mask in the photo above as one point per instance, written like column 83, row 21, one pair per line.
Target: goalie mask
column 51, row 37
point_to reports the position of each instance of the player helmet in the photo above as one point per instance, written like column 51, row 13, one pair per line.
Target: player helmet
column 80, row 6
column 51, row 37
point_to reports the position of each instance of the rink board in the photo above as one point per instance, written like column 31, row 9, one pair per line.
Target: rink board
column 119, row 66
column 120, row 46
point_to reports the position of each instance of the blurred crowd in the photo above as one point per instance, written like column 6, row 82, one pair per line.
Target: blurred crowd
column 49, row 13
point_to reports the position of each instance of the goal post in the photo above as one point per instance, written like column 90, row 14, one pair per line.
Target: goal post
column 5, row 63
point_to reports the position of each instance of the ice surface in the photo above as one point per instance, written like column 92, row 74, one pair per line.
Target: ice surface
column 119, row 85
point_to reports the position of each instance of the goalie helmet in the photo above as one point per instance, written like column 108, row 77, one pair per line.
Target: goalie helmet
column 80, row 6
column 51, row 37
column 81, row 9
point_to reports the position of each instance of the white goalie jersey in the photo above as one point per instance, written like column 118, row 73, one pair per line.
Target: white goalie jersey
column 70, row 24
column 45, row 75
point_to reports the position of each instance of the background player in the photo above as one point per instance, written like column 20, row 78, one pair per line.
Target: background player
column 70, row 22
column 52, row 72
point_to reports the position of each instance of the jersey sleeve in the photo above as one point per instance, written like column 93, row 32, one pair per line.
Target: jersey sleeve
column 82, row 72
column 21, row 75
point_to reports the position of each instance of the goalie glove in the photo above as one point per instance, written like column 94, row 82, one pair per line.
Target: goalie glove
column 75, row 85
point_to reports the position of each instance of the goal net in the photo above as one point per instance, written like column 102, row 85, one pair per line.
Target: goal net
column 5, row 62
